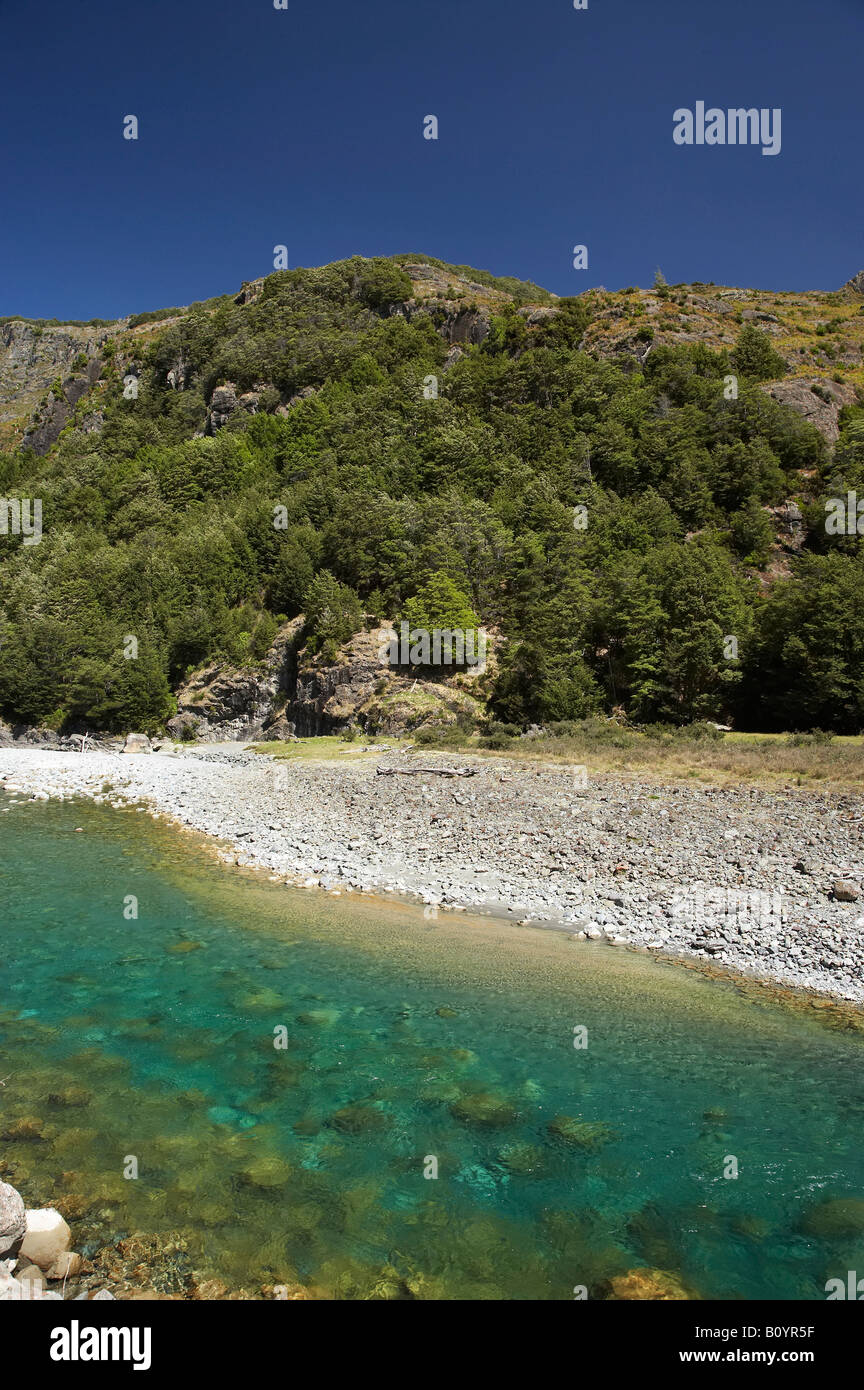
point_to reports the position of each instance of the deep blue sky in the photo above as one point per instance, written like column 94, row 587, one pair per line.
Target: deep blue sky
column 304, row 127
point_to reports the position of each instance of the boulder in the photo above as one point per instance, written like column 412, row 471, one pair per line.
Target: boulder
column 13, row 1224
column 137, row 743
column 31, row 1275
column 66, row 1266
column 47, row 1238
column 184, row 727
column 845, row 892
column 282, row 729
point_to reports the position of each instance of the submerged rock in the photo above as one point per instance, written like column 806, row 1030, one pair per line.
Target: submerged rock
column 438, row 1089
column 71, row 1097
column 835, row 1219
column 268, row 1171
column 749, row 1227
column 581, row 1134
column 649, row 1284
column 524, row 1160
column 320, row 1018
column 27, row 1130
column 227, row 1115
column 484, row 1108
column 263, row 999
column 357, row 1119
column 66, row 1266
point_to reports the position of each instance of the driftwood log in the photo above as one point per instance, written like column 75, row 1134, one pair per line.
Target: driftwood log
column 427, row 771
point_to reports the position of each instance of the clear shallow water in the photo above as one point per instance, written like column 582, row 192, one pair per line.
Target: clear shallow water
column 405, row 1039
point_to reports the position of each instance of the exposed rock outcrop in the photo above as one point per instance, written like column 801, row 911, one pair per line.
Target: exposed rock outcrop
column 466, row 326
column 361, row 688
column 818, row 399
column 34, row 356
column 250, row 290
column 45, row 430
column 297, row 694
column 329, row 695
column 455, row 322
column 789, row 525
column 301, row 396
column 223, row 404
column 224, row 702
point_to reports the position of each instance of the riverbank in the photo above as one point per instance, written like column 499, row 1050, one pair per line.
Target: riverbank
column 237, row 1090
column 768, row 882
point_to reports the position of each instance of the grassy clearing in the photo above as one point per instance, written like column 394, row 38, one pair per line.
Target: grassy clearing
column 327, row 748
column 737, row 758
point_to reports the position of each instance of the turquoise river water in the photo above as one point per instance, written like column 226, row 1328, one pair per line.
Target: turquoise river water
column 289, row 1070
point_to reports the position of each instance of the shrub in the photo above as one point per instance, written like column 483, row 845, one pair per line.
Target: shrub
column 755, row 357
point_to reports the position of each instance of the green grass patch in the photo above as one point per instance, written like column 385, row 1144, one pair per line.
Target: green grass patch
column 325, row 748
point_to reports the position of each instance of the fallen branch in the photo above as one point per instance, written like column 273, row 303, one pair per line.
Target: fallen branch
column 427, row 771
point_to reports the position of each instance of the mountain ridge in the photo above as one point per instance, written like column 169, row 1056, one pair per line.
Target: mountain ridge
column 629, row 488
column 41, row 371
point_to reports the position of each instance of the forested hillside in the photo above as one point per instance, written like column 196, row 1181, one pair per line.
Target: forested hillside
column 607, row 482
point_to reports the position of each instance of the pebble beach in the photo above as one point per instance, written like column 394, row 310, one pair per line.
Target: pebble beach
column 762, row 881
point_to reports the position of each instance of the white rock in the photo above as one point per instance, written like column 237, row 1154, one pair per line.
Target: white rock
column 48, row 1237
column 12, row 1219
column 137, row 743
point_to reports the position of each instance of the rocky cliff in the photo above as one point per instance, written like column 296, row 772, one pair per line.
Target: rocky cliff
column 44, row 371
column 295, row 694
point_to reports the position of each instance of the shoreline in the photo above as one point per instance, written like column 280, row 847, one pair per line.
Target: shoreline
column 740, row 881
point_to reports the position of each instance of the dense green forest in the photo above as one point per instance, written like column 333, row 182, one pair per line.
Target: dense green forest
column 156, row 528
